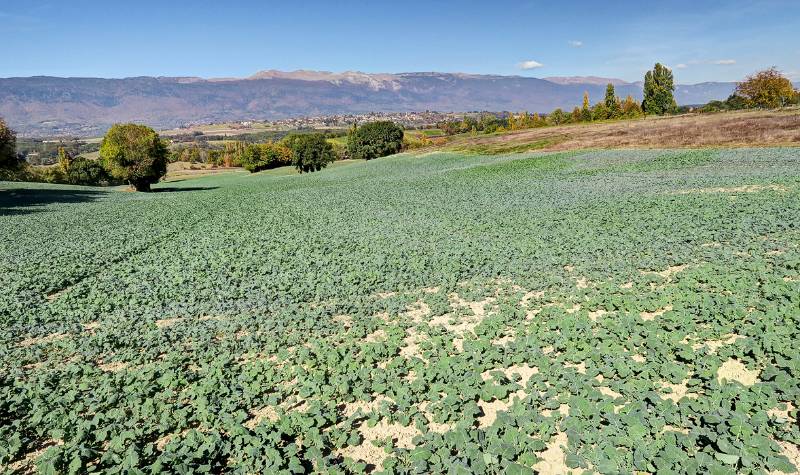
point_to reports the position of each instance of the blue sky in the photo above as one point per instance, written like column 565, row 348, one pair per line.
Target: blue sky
column 703, row 40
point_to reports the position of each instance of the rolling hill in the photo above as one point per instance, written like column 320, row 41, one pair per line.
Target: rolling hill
column 87, row 106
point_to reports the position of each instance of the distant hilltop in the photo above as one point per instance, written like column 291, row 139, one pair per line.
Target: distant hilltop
column 594, row 80
column 48, row 106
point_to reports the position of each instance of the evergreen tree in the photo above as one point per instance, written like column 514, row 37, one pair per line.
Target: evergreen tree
column 612, row 103
column 659, row 86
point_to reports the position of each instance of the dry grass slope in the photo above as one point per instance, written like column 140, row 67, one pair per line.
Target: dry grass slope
column 731, row 129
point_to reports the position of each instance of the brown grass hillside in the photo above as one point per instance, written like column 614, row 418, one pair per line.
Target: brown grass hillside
column 730, row 129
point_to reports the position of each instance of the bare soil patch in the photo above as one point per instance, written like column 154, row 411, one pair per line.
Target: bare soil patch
column 677, row 391
column 647, row 316
column 167, row 322
column 42, row 340
column 735, row 370
column 492, row 408
column 552, row 459
column 371, row 454
column 113, row 367
column 735, row 189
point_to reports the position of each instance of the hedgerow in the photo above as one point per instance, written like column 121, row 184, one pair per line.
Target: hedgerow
column 611, row 311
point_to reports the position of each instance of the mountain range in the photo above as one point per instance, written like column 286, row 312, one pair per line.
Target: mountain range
column 50, row 106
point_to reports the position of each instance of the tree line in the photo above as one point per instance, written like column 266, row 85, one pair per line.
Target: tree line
column 136, row 155
column 767, row 89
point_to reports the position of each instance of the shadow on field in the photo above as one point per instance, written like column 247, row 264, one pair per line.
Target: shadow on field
column 24, row 201
column 175, row 189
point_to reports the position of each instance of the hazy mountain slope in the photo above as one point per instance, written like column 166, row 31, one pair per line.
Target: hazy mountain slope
column 86, row 106
column 599, row 81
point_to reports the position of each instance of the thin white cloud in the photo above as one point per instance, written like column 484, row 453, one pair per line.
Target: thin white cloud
column 530, row 64
column 725, row 62
column 576, row 43
column 681, row 66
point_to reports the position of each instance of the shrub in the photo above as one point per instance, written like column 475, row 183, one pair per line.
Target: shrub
column 557, row 117
column 379, row 139
column 134, row 154
column 310, row 152
column 258, row 157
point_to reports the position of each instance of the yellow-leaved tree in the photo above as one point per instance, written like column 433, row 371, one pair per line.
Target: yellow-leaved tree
column 769, row 89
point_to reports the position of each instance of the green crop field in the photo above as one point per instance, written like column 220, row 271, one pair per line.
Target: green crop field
column 610, row 311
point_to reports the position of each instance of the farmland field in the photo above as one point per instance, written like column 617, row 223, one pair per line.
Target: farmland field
column 611, row 311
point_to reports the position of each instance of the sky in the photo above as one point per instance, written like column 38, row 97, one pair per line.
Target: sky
column 702, row 40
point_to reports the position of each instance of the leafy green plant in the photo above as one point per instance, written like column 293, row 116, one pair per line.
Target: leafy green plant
column 612, row 311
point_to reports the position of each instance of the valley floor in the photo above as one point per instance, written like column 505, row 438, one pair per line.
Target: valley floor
column 611, row 311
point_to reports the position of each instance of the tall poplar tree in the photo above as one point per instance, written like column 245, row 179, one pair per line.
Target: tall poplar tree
column 659, row 86
column 586, row 111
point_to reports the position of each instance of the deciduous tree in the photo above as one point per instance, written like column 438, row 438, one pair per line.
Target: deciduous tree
column 134, row 154
column 258, row 157
column 8, row 146
column 382, row 138
column 557, row 117
column 631, row 109
column 659, row 86
column 768, row 89
column 64, row 159
column 310, row 152
column 586, row 110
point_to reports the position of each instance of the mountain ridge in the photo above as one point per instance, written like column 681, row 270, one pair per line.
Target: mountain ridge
column 51, row 106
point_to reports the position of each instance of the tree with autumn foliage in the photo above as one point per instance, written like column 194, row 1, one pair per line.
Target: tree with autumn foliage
column 631, row 109
column 586, row 110
column 768, row 89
